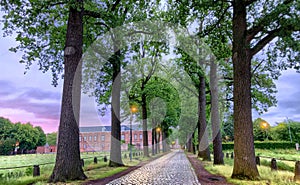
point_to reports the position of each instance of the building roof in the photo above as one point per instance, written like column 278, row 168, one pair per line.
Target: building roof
column 107, row 128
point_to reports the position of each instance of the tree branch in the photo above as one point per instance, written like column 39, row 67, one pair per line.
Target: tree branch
column 214, row 26
column 139, row 31
column 256, row 67
column 249, row 2
column 91, row 14
column 263, row 42
column 113, row 8
column 264, row 21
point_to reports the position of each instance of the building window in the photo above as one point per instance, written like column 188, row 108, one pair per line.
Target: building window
column 102, row 146
column 84, row 146
column 90, row 138
column 84, row 138
column 103, row 138
column 141, row 136
column 135, row 137
column 79, row 138
column 122, row 137
column 95, row 138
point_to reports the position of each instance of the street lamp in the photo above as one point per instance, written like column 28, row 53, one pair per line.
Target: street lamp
column 133, row 109
column 264, row 125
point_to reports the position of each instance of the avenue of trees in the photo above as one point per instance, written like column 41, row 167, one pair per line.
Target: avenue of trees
column 244, row 36
column 23, row 137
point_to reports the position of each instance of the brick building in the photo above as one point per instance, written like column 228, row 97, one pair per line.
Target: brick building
column 46, row 149
column 98, row 138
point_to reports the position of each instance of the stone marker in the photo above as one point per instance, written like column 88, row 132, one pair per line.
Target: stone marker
column 36, row 170
column 105, row 159
column 82, row 162
column 257, row 159
column 297, row 171
column 274, row 165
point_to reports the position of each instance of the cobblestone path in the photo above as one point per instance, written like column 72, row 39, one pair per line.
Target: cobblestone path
column 173, row 168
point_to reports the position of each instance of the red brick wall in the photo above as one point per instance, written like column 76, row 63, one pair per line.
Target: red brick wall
column 93, row 141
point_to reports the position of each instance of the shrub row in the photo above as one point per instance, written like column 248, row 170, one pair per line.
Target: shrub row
column 264, row 145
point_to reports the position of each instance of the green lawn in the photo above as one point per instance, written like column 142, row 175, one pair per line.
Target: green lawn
column 23, row 176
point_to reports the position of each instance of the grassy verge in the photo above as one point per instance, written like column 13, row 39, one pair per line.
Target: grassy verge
column 266, row 175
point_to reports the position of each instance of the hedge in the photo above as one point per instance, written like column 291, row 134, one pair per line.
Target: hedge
column 264, row 145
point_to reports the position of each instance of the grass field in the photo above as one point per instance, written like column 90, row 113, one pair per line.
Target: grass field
column 284, row 176
column 24, row 175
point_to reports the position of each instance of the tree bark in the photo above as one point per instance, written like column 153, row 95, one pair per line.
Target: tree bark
column 165, row 141
column 244, row 160
column 115, row 150
column 203, row 148
column 68, row 164
column 144, row 116
column 153, row 140
column 215, row 116
column 193, row 146
column 189, row 143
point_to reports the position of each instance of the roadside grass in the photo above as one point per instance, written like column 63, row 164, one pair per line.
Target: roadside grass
column 266, row 175
column 284, row 175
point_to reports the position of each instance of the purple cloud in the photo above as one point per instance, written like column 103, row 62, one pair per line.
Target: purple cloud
column 41, row 103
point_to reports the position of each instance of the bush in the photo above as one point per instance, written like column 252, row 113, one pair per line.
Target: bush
column 264, row 145
column 29, row 171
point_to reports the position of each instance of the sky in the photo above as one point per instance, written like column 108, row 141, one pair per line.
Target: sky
column 31, row 98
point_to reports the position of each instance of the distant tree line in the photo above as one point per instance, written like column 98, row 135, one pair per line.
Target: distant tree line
column 287, row 130
column 19, row 138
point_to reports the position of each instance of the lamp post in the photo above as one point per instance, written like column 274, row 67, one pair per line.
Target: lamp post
column 158, row 129
column 288, row 124
column 133, row 109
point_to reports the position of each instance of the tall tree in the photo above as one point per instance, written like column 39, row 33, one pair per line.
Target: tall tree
column 68, row 164
column 253, row 28
column 215, row 116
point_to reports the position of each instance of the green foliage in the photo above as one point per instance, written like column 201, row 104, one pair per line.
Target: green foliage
column 51, row 138
column 27, row 136
column 261, row 130
column 264, row 145
column 7, row 145
column 29, row 171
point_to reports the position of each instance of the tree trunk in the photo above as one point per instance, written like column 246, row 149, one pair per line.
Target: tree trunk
column 194, row 147
column 115, row 150
column 68, row 165
column 144, row 116
column 189, row 143
column 244, row 160
column 158, row 142
column 164, row 138
column 215, row 116
column 202, row 130
column 153, row 139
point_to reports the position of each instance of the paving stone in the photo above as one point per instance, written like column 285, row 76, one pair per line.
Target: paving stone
column 173, row 168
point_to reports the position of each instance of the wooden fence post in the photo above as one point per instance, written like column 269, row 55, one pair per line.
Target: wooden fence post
column 95, row 160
